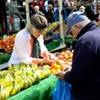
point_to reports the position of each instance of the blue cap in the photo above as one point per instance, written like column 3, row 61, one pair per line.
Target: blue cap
column 75, row 18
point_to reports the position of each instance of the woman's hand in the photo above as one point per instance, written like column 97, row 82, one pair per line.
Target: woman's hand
column 37, row 60
column 45, row 55
column 40, row 61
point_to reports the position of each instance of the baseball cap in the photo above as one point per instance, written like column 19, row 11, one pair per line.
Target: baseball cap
column 74, row 18
column 39, row 21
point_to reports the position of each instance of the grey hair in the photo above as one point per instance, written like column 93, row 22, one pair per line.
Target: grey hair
column 84, row 23
column 37, row 21
column 29, row 27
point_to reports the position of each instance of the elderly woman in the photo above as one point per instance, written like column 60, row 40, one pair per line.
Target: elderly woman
column 29, row 43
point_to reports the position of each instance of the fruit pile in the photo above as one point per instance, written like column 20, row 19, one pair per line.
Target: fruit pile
column 56, row 67
column 63, row 62
column 19, row 77
column 66, row 56
column 7, row 43
column 59, row 66
column 1, row 44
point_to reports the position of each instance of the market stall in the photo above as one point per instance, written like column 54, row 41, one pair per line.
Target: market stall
column 32, row 81
column 29, row 81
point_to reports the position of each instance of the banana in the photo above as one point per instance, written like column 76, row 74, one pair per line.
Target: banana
column 4, row 94
column 9, row 89
column 16, row 89
column 9, row 78
column 19, row 81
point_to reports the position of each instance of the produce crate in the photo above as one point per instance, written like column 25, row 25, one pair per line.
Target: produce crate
column 53, row 44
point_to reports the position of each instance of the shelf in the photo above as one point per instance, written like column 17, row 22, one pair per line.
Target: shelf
column 3, row 66
column 62, row 46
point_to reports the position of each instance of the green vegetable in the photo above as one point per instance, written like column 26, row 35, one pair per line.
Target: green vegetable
column 52, row 45
column 4, row 57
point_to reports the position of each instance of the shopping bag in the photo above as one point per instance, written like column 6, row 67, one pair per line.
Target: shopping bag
column 62, row 91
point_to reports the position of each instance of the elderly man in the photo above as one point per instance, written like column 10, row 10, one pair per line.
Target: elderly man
column 85, row 73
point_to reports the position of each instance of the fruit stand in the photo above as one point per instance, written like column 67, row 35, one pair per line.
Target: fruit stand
column 7, row 42
column 29, row 81
column 6, row 46
column 32, row 81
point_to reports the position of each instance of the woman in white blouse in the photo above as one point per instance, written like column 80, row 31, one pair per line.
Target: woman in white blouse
column 29, row 43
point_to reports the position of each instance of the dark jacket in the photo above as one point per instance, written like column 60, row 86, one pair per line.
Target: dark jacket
column 85, row 73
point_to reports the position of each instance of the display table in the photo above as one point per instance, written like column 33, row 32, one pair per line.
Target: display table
column 39, row 91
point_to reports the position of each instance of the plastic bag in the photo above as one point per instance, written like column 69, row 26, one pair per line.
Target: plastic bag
column 62, row 91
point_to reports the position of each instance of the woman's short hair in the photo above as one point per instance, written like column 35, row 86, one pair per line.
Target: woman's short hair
column 39, row 22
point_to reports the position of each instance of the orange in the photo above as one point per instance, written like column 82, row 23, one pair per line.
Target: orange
column 55, row 66
column 53, row 71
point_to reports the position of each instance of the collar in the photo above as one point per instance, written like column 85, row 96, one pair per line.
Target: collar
column 31, row 35
column 92, row 25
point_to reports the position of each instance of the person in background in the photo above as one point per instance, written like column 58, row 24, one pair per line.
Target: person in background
column 66, row 3
column 69, row 8
column 66, row 9
column 82, row 8
column 40, row 3
column 36, row 10
column 85, row 73
column 52, row 2
column 56, row 12
column 72, row 6
column 49, row 13
column 90, row 11
column 29, row 43
column 46, row 5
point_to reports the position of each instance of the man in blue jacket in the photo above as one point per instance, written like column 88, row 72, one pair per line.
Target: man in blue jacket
column 85, row 73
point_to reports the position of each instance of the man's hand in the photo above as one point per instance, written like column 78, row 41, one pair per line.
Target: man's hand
column 61, row 74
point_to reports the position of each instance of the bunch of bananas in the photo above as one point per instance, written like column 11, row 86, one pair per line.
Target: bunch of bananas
column 19, row 77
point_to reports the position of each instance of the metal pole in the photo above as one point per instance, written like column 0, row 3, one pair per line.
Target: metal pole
column 61, row 21
column 27, row 11
column 97, row 6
